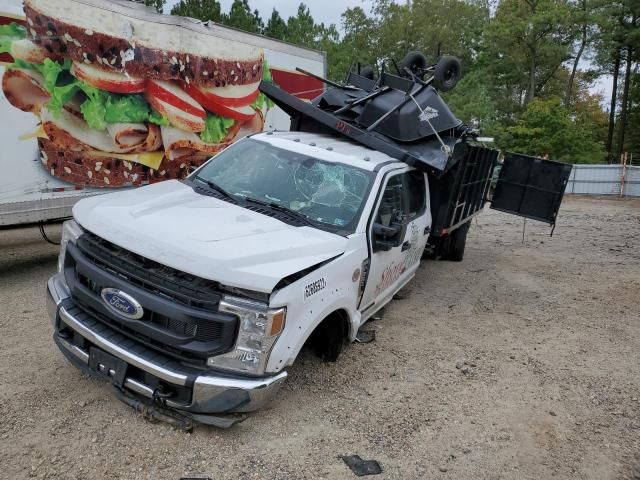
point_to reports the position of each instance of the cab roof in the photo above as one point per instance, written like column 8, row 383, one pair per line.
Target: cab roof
column 326, row 147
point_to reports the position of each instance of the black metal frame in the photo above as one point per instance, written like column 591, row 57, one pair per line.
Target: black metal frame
column 306, row 116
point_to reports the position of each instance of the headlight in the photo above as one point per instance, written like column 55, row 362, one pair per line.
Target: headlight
column 259, row 329
column 70, row 233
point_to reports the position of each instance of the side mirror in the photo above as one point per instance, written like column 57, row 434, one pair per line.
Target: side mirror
column 385, row 238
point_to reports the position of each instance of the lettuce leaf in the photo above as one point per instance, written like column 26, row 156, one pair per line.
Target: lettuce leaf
column 262, row 99
column 216, row 128
column 51, row 70
column 266, row 72
column 60, row 96
column 158, row 119
column 126, row 109
column 10, row 33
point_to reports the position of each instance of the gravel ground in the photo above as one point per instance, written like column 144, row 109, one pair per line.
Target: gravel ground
column 520, row 362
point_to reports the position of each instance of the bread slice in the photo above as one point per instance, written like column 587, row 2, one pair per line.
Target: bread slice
column 141, row 43
column 93, row 169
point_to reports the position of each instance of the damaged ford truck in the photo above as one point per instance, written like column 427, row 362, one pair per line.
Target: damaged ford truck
column 193, row 297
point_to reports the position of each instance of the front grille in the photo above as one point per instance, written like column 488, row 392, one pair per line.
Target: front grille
column 181, row 316
column 200, row 330
column 168, row 282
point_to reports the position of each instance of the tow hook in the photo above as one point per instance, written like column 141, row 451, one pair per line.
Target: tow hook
column 154, row 413
column 155, row 410
column 160, row 396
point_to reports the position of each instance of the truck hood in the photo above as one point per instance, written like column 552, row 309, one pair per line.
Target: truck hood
column 171, row 224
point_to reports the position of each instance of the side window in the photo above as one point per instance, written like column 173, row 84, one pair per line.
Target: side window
column 392, row 200
column 414, row 181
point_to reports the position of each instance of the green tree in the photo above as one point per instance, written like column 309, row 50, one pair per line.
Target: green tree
column 157, row 4
column 525, row 45
column 548, row 129
column 471, row 102
column 302, row 29
column 618, row 48
column 356, row 45
column 240, row 16
column 276, row 26
column 204, row 10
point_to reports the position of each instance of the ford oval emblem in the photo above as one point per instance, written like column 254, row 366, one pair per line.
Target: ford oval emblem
column 122, row 303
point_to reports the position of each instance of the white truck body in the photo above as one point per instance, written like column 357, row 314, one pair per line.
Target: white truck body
column 175, row 225
column 29, row 194
column 251, row 251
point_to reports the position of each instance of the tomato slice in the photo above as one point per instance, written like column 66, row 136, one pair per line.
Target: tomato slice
column 243, row 113
column 173, row 95
column 233, row 95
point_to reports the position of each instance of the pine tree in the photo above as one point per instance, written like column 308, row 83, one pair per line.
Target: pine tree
column 241, row 17
column 204, row 10
column 276, row 26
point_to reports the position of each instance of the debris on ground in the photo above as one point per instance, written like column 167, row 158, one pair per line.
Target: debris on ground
column 362, row 467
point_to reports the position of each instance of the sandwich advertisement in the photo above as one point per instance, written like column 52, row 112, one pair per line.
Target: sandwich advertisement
column 111, row 94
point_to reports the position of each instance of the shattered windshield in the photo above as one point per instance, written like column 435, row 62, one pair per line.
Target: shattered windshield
column 330, row 195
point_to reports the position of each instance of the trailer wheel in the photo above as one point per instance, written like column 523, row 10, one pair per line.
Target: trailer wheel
column 447, row 73
column 368, row 72
column 458, row 242
column 414, row 61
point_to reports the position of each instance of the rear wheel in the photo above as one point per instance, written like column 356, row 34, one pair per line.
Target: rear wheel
column 458, row 242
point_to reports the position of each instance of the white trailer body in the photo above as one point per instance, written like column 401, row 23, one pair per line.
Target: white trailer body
column 30, row 194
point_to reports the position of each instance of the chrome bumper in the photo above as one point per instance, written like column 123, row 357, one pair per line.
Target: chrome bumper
column 210, row 394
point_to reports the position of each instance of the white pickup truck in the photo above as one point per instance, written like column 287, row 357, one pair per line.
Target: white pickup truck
column 201, row 292
column 193, row 297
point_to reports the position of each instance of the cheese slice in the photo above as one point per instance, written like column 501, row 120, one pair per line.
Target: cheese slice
column 37, row 133
column 149, row 159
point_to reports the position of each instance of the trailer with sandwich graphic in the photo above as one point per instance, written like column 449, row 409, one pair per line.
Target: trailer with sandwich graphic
column 104, row 95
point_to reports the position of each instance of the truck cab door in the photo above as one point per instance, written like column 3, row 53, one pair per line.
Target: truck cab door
column 397, row 236
column 531, row 187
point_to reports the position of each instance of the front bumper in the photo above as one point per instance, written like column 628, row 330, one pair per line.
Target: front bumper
column 209, row 393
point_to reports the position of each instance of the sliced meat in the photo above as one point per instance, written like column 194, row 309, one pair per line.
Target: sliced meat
column 71, row 132
column 28, row 51
column 138, row 136
column 24, row 90
column 179, row 143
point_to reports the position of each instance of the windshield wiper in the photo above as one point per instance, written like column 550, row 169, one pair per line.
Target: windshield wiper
column 214, row 186
column 274, row 206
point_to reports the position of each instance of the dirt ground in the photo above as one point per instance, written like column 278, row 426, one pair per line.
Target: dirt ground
column 522, row 362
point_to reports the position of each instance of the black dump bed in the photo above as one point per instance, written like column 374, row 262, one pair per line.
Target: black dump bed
column 415, row 127
column 405, row 118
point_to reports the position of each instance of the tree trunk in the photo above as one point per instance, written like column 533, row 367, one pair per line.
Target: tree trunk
column 614, row 101
column 625, row 104
column 583, row 44
column 531, row 89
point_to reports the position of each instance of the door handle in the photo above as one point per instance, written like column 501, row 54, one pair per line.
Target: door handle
column 406, row 246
